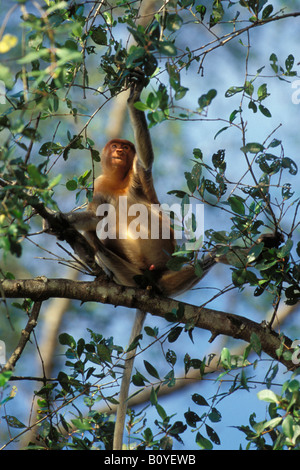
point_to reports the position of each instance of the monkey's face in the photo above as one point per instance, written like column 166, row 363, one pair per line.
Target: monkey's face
column 118, row 156
column 121, row 155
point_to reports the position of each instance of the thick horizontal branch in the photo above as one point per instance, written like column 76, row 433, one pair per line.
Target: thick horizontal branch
column 103, row 291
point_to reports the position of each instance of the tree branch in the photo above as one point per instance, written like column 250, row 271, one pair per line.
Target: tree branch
column 25, row 335
column 215, row 321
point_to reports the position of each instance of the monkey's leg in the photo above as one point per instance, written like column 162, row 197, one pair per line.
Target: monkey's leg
column 177, row 282
column 124, row 390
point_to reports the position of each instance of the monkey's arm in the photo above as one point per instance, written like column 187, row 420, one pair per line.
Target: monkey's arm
column 139, row 124
column 82, row 221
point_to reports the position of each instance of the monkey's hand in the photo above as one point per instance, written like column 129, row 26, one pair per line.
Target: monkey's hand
column 55, row 223
column 271, row 240
column 137, row 81
column 239, row 256
column 65, row 227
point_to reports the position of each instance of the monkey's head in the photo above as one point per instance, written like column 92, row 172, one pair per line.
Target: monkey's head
column 117, row 156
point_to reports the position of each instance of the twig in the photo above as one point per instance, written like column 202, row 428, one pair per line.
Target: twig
column 25, row 335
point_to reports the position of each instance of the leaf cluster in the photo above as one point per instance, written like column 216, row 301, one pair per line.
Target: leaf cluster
column 281, row 431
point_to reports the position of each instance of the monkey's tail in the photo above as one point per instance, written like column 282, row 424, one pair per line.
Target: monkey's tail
column 124, row 390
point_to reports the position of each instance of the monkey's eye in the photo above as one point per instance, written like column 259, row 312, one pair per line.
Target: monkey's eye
column 114, row 146
column 125, row 147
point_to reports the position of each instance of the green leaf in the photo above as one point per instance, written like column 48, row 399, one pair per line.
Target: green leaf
column 175, row 263
column 177, row 428
column 269, row 396
column 191, row 418
column 262, row 92
column 68, row 340
column 13, row 422
column 64, row 381
column 215, row 415
column 174, row 333
column 226, row 358
column 103, row 353
column 272, row 423
column 264, row 111
column 252, row 147
column 233, row 91
column 218, row 160
column 249, row 88
column 181, row 92
column 254, row 252
column 134, row 343
column 201, row 9
column 252, row 106
column 171, row 357
column 136, row 56
column 151, row 370
column 293, row 386
column 167, row 48
column 273, row 57
column 275, row 143
column 150, row 331
column 239, row 276
column 98, row 35
column 35, row 175
column 289, row 63
column 199, row 269
column 6, row 77
column 160, row 410
column 255, row 343
column 233, row 115
column 199, row 400
column 267, row 12
column 203, row 443
column 286, row 249
column 153, row 397
column 54, row 182
column 287, row 426
column 4, row 377
column 174, row 22
column 290, row 165
column 212, row 435
column 35, row 55
column 83, row 424
column 217, row 13
column 206, row 99
column 220, row 131
column 141, row 106
column 139, row 380
column 237, row 204
column 71, row 185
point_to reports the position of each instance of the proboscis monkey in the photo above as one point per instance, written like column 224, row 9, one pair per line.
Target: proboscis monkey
column 127, row 173
column 127, row 178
